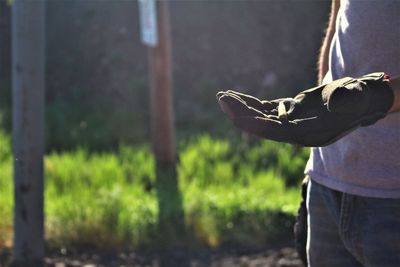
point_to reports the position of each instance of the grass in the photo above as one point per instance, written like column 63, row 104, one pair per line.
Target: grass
column 233, row 193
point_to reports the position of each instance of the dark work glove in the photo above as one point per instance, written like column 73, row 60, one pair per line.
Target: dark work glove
column 315, row 117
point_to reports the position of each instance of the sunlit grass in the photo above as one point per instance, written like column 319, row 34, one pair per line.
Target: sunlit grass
column 232, row 194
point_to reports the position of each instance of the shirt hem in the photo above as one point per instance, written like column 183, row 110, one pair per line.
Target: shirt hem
column 352, row 188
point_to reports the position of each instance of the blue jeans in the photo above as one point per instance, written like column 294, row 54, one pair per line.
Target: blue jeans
column 351, row 231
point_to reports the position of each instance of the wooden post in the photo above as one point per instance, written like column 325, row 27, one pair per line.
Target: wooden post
column 161, row 102
column 162, row 129
column 28, row 83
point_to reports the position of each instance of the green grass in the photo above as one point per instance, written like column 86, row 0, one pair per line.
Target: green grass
column 6, row 190
column 233, row 193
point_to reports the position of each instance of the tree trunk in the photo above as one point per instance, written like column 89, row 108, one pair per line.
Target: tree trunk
column 28, row 82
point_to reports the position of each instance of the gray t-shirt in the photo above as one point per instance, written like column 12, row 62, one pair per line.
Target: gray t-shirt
column 367, row 161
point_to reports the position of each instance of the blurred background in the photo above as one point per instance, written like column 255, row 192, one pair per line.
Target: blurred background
column 101, row 194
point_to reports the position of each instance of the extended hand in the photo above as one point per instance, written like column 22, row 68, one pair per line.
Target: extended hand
column 315, row 117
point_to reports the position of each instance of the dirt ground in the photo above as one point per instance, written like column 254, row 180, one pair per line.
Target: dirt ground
column 282, row 256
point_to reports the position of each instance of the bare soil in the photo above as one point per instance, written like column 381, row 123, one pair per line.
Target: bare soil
column 279, row 256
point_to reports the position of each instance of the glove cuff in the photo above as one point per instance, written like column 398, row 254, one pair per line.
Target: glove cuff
column 382, row 94
column 382, row 97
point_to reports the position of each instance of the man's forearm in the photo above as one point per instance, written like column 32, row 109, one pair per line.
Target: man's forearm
column 395, row 85
column 323, row 59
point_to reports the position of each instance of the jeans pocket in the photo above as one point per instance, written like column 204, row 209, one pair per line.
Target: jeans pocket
column 379, row 240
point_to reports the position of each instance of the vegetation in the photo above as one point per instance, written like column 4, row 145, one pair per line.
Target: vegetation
column 232, row 194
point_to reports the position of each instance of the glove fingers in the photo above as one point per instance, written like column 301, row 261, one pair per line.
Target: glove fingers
column 219, row 94
column 235, row 107
column 262, row 105
column 269, row 128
